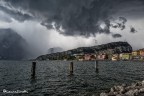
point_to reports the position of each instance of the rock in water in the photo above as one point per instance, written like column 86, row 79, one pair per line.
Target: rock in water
column 141, row 90
column 103, row 94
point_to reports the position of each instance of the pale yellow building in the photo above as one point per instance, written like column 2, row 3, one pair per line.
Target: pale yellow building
column 135, row 53
column 125, row 56
column 115, row 57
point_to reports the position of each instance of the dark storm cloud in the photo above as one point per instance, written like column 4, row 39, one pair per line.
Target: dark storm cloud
column 15, row 14
column 120, row 24
column 116, row 35
column 113, row 23
column 78, row 17
column 75, row 17
column 133, row 30
column 107, row 28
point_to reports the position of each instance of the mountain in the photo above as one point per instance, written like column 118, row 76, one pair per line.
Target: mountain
column 12, row 45
column 110, row 48
column 54, row 50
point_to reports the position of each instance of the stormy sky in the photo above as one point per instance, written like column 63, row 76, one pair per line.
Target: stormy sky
column 74, row 23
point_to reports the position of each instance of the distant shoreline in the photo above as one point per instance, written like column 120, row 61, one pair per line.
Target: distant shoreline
column 87, row 60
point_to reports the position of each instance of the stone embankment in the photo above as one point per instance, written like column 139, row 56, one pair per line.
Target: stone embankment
column 135, row 89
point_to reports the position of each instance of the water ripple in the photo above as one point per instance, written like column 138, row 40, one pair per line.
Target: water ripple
column 52, row 77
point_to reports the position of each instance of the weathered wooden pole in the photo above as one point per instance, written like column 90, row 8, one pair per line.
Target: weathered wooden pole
column 96, row 65
column 71, row 68
column 33, row 69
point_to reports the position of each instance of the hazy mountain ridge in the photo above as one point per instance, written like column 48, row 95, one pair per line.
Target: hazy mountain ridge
column 110, row 48
column 54, row 50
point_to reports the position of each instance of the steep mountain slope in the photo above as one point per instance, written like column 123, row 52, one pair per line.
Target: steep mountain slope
column 12, row 45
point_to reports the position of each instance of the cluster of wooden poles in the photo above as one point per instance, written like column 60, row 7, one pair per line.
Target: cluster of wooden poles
column 70, row 68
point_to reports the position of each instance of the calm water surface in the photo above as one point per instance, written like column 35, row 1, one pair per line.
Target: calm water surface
column 52, row 77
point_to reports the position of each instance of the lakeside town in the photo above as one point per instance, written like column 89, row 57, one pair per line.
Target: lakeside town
column 134, row 55
column 112, row 51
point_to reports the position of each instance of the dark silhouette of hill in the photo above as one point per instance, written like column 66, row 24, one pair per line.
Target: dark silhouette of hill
column 12, row 45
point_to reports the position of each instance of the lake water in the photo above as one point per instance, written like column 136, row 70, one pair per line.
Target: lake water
column 52, row 77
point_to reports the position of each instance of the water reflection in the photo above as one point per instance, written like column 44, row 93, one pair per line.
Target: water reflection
column 97, row 70
column 33, row 79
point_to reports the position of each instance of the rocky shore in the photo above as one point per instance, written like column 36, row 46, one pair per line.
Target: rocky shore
column 135, row 89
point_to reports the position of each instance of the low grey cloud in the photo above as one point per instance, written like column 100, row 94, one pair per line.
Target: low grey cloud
column 15, row 13
column 122, row 24
column 4, row 17
column 119, row 23
column 76, row 17
column 116, row 35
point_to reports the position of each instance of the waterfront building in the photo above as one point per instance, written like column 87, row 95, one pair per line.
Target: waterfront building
column 141, row 51
column 125, row 56
column 136, row 53
column 101, row 57
column 79, row 57
column 89, row 57
column 109, row 56
column 115, row 57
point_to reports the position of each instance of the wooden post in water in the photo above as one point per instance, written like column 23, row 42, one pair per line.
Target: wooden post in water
column 33, row 69
column 96, row 65
column 71, row 68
